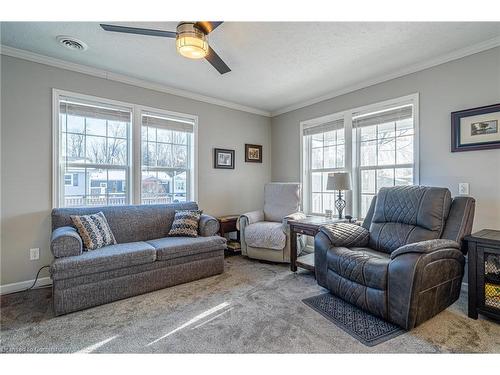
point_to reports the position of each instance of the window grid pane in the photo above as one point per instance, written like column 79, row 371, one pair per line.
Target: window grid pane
column 386, row 151
column 95, row 158
column 165, row 164
column 327, row 154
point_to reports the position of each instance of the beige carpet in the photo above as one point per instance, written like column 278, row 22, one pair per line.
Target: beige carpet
column 252, row 308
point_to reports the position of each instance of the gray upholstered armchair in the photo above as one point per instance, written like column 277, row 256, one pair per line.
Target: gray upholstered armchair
column 406, row 262
column 265, row 233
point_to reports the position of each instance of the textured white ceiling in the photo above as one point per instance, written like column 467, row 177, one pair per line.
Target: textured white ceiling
column 274, row 64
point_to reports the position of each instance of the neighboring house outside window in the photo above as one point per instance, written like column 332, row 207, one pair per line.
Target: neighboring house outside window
column 94, row 157
column 377, row 144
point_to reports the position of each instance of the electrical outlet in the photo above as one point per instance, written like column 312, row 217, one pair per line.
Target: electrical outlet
column 463, row 188
column 35, row 254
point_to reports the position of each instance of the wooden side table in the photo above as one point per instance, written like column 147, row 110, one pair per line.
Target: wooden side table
column 484, row 273
column 227, row 224
column 309, row 227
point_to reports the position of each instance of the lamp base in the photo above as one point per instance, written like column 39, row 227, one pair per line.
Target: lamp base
column 340, row 204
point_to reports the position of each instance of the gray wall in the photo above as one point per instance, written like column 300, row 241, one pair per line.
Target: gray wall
column 26, row 164
column 469, row 82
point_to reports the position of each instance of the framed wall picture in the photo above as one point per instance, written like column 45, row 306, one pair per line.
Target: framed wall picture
column 476, row 129
column 223, row 158
column 253, row 153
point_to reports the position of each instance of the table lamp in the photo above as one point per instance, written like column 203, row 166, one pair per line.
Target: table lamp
column 340, row 181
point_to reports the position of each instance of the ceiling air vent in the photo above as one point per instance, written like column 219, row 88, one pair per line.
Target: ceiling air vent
column 72, row 43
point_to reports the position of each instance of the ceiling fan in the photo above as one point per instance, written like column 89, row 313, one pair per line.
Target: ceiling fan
column 191, row 40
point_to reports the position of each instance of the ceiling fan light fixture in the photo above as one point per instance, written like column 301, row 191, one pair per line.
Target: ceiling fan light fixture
column 191, row 42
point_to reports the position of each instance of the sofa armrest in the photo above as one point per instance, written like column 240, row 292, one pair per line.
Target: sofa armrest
column 422, row 281
column 208, row 225
column 425, row 247
column 346, row 234
column 294, row 216
column 65, row 242
column 322, row 245
column 243, row 221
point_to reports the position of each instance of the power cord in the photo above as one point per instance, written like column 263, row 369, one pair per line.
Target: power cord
column 36, row 279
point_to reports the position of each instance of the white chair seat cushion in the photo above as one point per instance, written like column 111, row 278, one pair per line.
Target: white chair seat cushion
column 266, row 234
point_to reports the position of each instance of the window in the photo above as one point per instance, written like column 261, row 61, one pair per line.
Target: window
column 385, row 142
column 376, row 143
column 325, row 146
column 94, row 152
column 100, row 160
column 166, row 158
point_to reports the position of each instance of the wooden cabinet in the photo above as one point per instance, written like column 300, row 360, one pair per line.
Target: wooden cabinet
column 484, row 273
column 228, row 225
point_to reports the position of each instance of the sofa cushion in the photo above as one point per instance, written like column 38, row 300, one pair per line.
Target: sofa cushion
column 94, row 230
column 185, row 223
column 408, row 214
column 105, row 259
column 266, row 234
column 361, row 265
column 175, row 247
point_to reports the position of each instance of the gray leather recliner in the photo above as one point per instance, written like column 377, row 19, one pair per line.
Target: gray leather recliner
column 405, row 263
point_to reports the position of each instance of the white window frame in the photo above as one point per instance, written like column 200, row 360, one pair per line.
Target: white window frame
column 352, row 149
column 192, row 183
column 305, row 160
column 133, row 181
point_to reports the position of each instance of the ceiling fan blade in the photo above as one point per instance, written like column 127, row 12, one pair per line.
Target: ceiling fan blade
column 140, row 31
column 208, row 26
column 217, row 62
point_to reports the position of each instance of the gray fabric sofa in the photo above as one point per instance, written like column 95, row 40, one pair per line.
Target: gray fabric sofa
column 406, row 262
column 144, row 258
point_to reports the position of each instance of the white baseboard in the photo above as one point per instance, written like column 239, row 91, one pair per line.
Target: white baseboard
column 22, row 285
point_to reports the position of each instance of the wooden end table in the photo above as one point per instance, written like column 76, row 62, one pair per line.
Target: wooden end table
column 484, row 273
column 309, row 227
column 227, row 224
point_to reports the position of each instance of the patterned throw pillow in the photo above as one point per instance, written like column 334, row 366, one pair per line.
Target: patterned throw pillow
column 185, row 224
column 94, row 230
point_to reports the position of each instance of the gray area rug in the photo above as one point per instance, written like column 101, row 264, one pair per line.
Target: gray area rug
column 365, row 327
column 252, row 307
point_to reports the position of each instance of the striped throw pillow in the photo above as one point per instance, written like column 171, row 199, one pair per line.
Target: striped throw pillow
column 94, row 230
column 185, row 224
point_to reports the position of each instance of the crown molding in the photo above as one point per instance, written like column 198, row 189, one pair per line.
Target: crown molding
column 101, row 73
column 455, row 55
column 63, row 64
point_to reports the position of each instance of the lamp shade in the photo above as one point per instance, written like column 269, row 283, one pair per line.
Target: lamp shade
column 339, row 181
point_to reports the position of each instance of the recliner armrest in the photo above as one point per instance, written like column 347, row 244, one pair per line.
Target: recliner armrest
column 250, row 218
column 65, row 242
column 294, row 216
column 426, row 247
column 346, row 234
column 208, row 225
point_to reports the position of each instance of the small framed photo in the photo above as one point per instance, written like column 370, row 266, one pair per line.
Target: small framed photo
column 253, row 153
column 223, row 159
column 476, row 129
